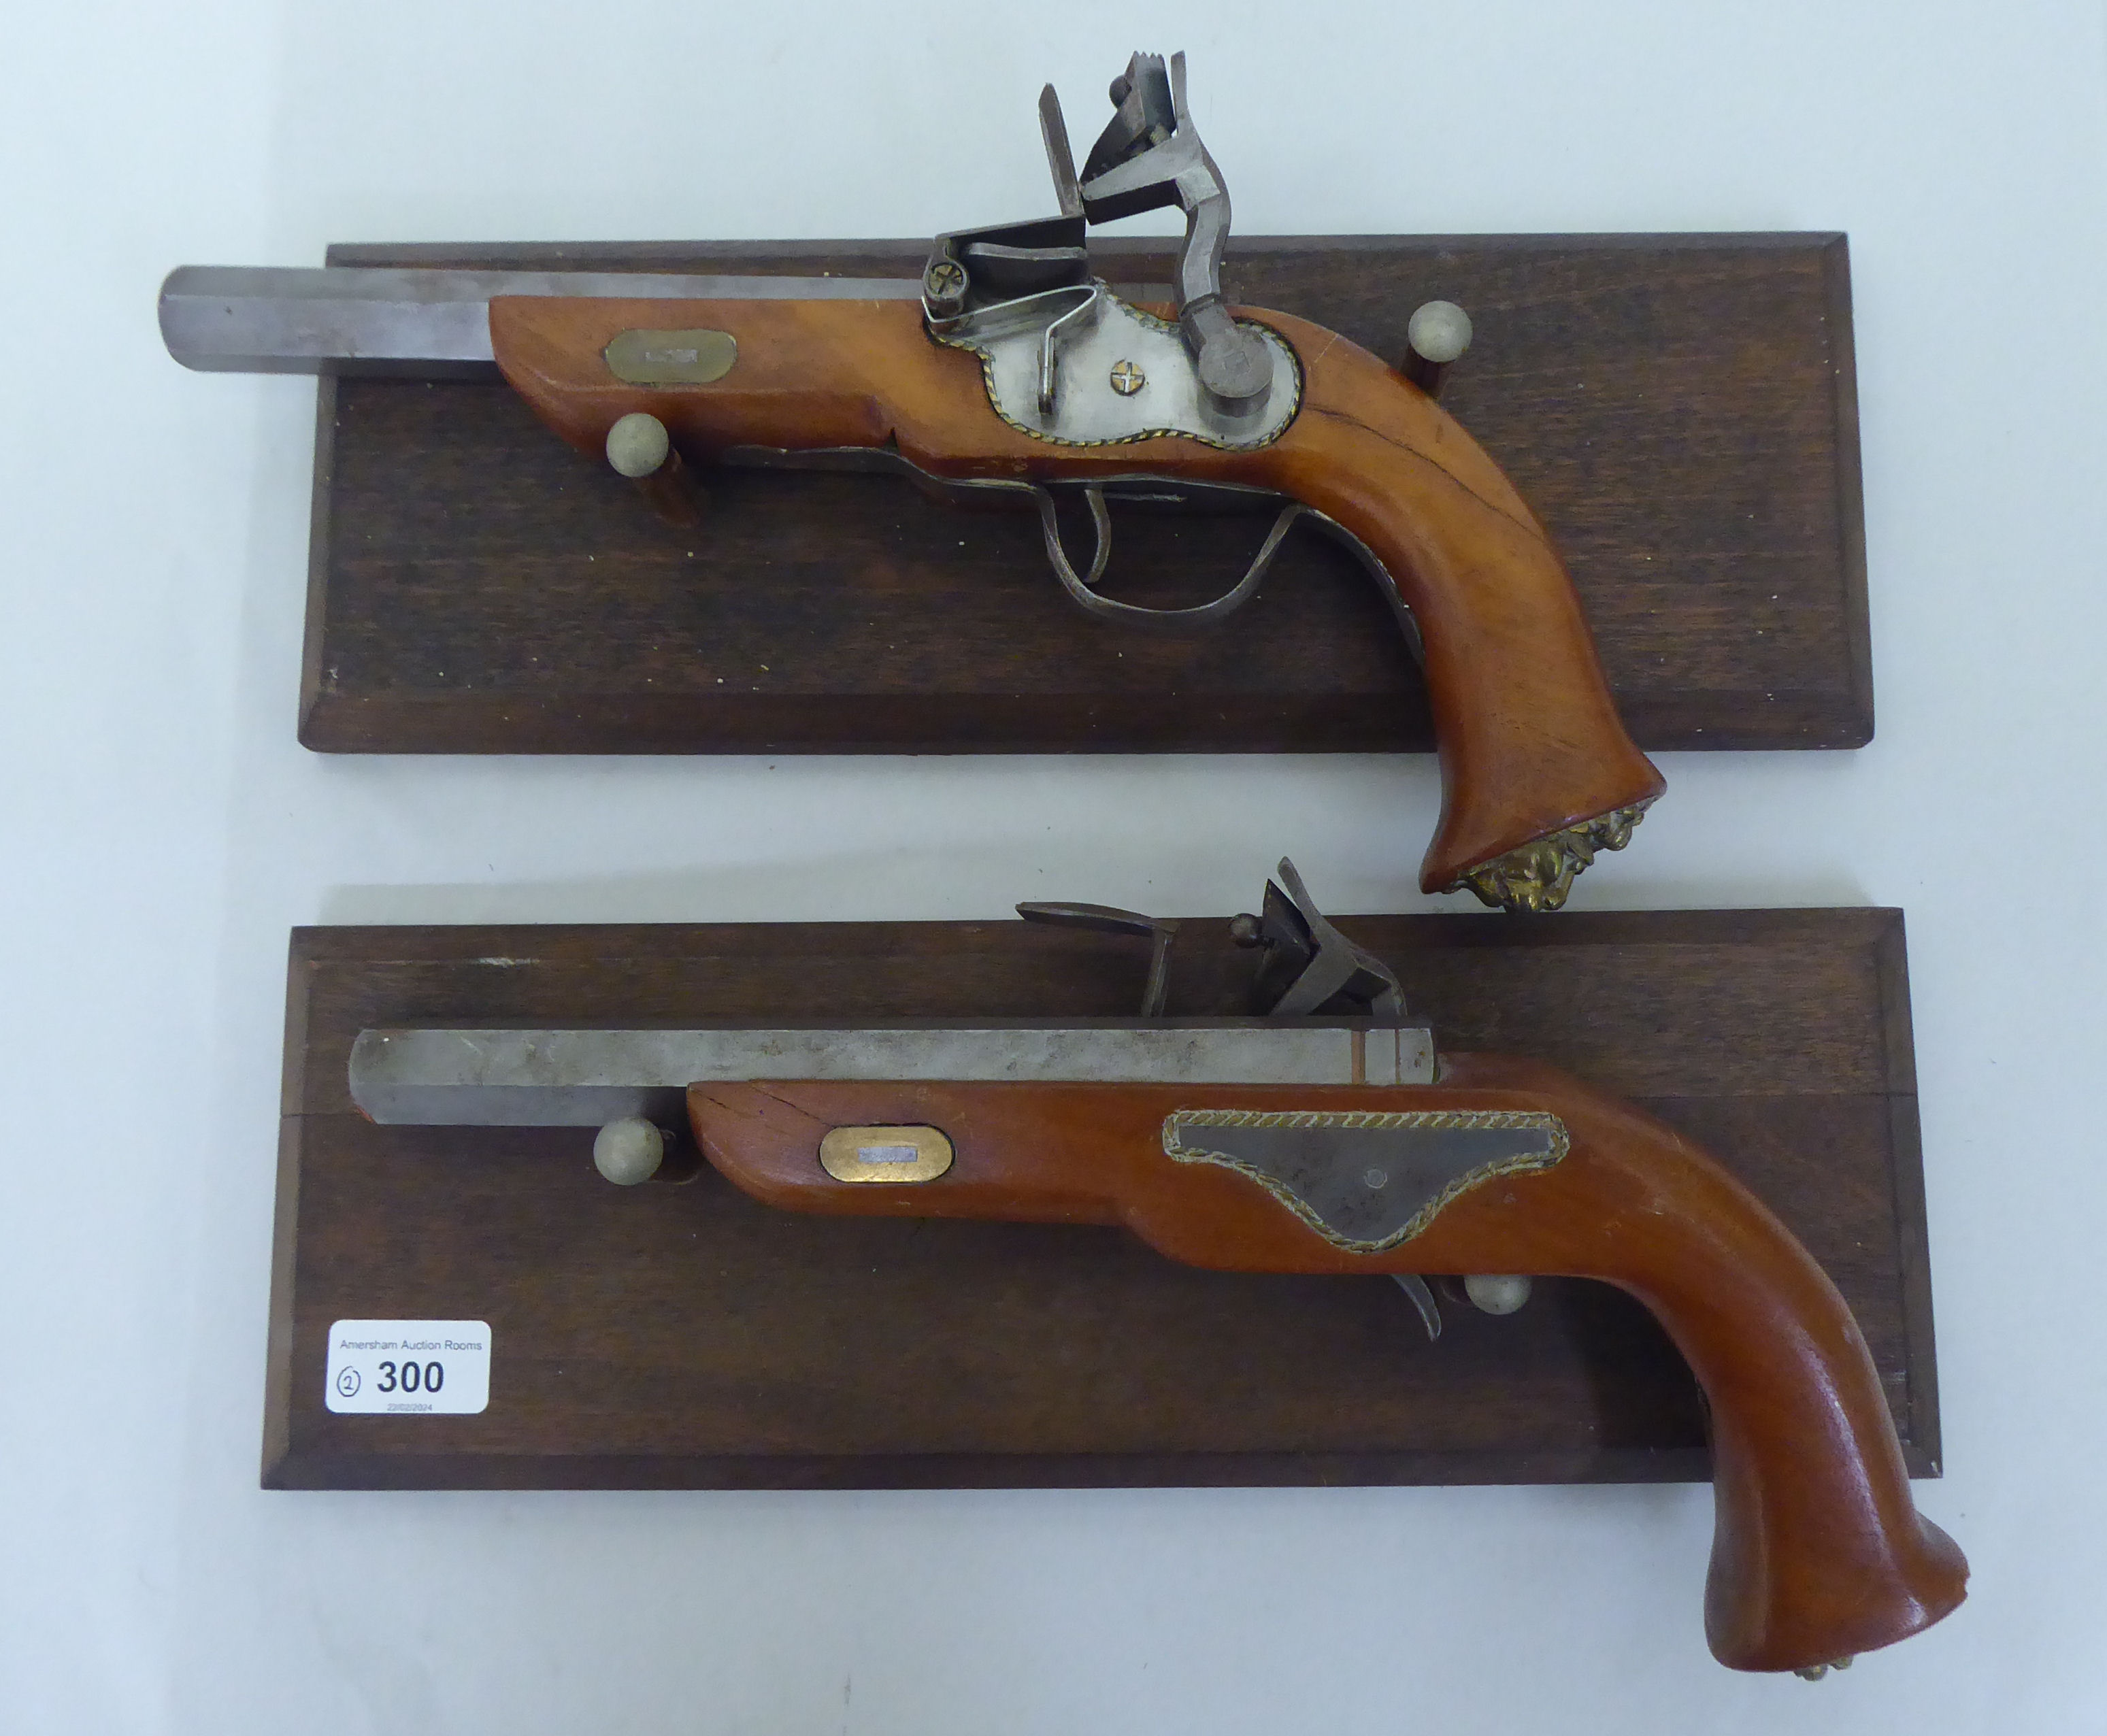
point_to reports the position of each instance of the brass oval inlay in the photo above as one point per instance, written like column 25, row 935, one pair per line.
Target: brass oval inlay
column 885, row 1154
column 671, row 358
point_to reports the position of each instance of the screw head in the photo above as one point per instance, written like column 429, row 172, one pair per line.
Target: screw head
column 944, row 281
column 1234, row 368
column 1127, row 378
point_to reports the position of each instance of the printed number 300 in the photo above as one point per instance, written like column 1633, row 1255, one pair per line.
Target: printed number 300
column 411, row 1377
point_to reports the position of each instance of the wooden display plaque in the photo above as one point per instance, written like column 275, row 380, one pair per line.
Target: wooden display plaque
column 1680, row 410
column 680, row 1335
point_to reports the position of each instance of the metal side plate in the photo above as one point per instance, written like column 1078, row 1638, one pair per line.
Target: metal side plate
column 1123, row 375
column 1366, row 1181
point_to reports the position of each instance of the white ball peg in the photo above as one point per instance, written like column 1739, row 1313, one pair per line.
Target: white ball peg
column 638, row 443
column 1496, row 1292
column 629, row 1150
column 1440, row 331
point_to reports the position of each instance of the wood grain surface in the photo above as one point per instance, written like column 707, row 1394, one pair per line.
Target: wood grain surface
column 1679, row 410
column 681, row 1336
column 1529, row 736
column 1819, row 1551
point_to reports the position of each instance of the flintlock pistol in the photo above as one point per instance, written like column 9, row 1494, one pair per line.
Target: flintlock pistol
column 1011, row 371
column 1324, row 1136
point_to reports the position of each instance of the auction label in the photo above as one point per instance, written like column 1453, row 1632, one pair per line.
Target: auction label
column 409, row 1367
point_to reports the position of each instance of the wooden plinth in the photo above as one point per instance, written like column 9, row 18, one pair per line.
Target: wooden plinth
column 1680, row 410
column 680, row 1335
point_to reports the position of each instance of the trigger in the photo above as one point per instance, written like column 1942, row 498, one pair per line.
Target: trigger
column 1082, row 587
column 1423, row 1299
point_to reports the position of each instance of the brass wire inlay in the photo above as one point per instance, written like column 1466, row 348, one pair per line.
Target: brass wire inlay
column 1180, row 1121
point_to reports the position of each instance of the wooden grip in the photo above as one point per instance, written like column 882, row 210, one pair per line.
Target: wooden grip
column 1819, row 1552
column 1530, row 739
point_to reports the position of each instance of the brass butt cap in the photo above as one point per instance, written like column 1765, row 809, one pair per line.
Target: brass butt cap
column 1536, row 877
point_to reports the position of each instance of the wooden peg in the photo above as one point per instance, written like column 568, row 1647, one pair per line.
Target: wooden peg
column 635, row 1149
column 638, row 447
column 1438, row 335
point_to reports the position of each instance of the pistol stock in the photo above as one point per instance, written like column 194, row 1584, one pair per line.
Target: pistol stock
column 1818, row 1553
column 1538, row 771
column 1008, row 366
column 1323, row 1138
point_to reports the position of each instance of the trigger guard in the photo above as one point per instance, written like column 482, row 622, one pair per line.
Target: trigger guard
column 1081, row 589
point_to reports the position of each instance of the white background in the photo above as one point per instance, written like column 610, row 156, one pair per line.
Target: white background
column 162, row 830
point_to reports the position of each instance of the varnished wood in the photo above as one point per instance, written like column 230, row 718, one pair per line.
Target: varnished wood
column 1820, row 1552
column 682, row 1335
column 1530, row 739
column 1678, row 410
